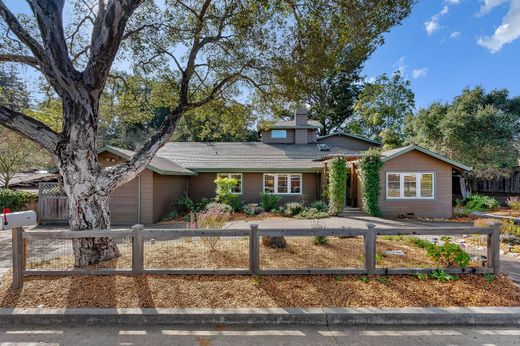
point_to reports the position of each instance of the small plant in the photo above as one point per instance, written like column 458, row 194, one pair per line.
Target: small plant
column 172, row 215
column 442, row 276
column 185, row 203
column 490, row 278
column 513, row 202
column 320, row 206
column 224, row 192
column 291, row 209
column 364, row 279
column 379, row 258
column 448, row 254
column 320, row 239
column 255, row 281
column 421, row 276
column 212, row 218
column 478, row 202
column 509, row 227
column 483, row 222
column 225, row 208
column 382, row 280
column 312, row 213
column 252, row 210
column 338, row 278
column 268, row 201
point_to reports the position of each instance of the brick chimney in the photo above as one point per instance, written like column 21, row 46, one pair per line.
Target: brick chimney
column 301, row 116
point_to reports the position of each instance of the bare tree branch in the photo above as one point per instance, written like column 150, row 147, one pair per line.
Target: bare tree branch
column 29, row 127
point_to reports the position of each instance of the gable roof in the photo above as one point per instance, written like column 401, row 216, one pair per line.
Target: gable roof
column 158, row 164
column 247, row 156
column 393, row 153
column 341, row 133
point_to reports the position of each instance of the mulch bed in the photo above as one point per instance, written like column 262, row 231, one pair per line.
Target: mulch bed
column 163, row 291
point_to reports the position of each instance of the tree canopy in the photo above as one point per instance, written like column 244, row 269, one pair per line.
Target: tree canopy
column 381, row 109
column 477, row 128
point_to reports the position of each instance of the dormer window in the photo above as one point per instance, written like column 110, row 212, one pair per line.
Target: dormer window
column 278, row 133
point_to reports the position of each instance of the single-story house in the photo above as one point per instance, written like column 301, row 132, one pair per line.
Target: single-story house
column 290, row 161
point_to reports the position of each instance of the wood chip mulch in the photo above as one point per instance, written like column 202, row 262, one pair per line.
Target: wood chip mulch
column 243, row 291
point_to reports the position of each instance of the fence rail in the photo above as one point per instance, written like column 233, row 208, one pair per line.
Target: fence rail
column 248, row 243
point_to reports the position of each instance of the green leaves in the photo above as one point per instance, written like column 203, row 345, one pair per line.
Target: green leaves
column 337, row 185
column 370, row 166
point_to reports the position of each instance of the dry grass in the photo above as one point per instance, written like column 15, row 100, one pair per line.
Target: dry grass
column 240, row 291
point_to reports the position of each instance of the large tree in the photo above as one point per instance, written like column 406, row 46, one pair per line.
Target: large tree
column 201, row 45
column 478, row 128
column 381, row 109
column 325, row 55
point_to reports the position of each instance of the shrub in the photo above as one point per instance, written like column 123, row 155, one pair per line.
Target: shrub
column 337, row 185
column 212, row 218
column 225, row 208
column 292, row 208
column 252, row 210
column 448, row 254
column 268, row 201
column 185, row 203
column 320, row 206
column 320, row 239
column 312, row 213
column 513, row 203
column 224, row 194
column 370, row 166
column 172, row 215
column 478, row 202
column 509, row 227
column 15, row 200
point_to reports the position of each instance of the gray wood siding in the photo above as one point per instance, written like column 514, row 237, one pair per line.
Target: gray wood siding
column 166, row 190
column 347, row 142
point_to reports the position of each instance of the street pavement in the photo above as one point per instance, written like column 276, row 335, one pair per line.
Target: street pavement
column 234, row 335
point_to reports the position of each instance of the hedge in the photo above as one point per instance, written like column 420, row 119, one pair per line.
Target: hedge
column 15, row 200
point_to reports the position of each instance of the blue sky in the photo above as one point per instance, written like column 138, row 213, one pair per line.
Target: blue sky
column 446, row 45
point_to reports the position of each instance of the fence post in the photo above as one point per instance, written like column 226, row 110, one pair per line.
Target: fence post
column 370, row 249
column 18, row 257
column 254, row 250
column 137, row 249
column 493, row 249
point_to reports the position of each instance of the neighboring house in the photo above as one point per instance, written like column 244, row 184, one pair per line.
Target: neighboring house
column 290, row 161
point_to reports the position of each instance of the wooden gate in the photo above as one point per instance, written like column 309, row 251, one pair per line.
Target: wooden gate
column 53, row 204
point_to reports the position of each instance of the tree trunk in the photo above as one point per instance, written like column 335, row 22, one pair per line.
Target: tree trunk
column 85, row 189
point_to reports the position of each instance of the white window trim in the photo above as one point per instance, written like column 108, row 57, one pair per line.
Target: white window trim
column 278, row 137
column 418, row 186
column 228, row 175
column 288, row 183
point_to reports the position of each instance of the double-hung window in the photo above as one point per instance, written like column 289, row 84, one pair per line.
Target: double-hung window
column 237, row 189
column 286, row 184
column 411, row 185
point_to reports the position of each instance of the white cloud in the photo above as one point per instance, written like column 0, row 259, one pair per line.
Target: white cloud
column 507, row 32
column 454, row 35
column 488, row 5
column 433, row 25
column 400, row 66
column 453, row 2
column 420, row 72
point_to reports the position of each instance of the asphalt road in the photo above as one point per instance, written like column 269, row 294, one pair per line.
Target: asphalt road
column 283, row 335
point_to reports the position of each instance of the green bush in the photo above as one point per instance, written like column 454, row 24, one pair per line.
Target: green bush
column 15, row 200
column 442, row 276
column 268, row 201
column 320, row 206
column 370, row 166
column 478, row 202
column 311, row 213
column 187, row 205
column 337, row 185
column 291, row 209
column 224, row 194
column 448, row 254
column 172, row 215
column 222, row 207
column 252, row 210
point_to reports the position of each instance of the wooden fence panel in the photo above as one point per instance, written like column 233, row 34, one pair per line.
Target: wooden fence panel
column 53, row 204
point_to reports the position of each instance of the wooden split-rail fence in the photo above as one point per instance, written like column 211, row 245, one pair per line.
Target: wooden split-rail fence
column 139, row 235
